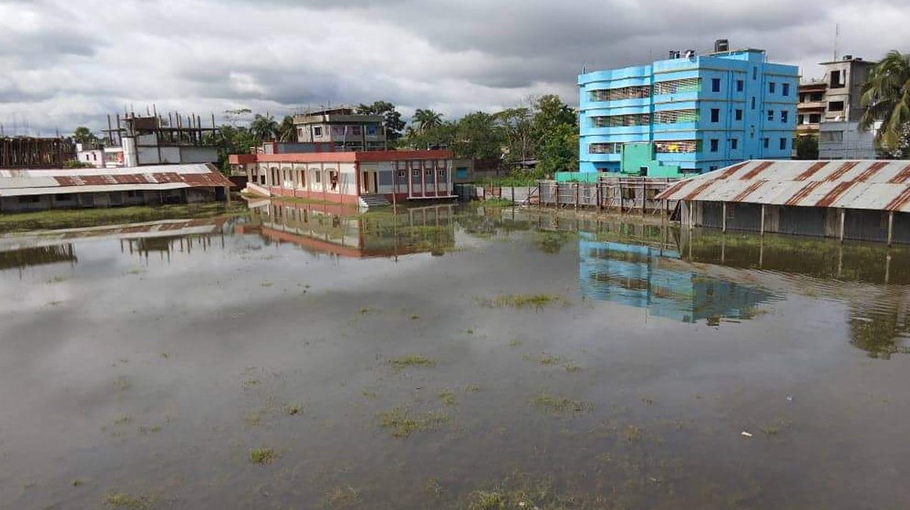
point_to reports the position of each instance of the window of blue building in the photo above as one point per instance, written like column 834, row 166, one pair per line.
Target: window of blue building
column 772, row 87
column 739, row 85
column 784, row 116
column 739, row 114
column 754, row 73
column 783, row 144
column 734, row 143
column 715, row 84
column 766, row 142
column 770, row 114
column 753, row 102
column 785, row 89
column 715, row 115
column 715, row 144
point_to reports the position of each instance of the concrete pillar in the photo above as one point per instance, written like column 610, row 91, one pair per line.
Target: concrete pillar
column 890, row 226
column 763, row 219
column 843, row 215
column 725, row 218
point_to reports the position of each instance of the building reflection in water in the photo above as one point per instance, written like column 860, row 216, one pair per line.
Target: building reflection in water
column 651, row 277
column 343, row 231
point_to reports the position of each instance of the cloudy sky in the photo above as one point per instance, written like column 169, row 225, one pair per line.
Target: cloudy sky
column 65, row 63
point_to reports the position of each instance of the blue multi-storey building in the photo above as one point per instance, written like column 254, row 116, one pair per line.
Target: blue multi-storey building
column 687, row 115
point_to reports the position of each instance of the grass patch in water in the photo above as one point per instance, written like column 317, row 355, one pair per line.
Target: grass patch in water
column 547, row 359
column 521, row 492
column 122, row 383
column 572, row 367
column 411, row 360
column 262, row 456
column 123, row 420
column 558, row 405
column 341, row 497
column 447, row 397
column 403, row 423
column 521, row 301
column 123, row 500
column 293, row 410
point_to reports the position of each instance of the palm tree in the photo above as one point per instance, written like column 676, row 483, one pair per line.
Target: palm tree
column 287, row 131
column 264, row 127
column 427, row 119
column 886, row 97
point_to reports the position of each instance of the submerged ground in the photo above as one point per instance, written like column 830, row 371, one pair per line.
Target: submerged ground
column 450, row 358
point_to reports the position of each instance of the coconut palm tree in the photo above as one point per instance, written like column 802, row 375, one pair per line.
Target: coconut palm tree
column 886, row 97
column 287, row 131
column 264, row 127
column 427, row 119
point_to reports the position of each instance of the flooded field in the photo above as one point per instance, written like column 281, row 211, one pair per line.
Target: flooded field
column 301, row 356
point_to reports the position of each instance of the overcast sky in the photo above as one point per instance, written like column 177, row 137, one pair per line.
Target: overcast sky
column 66, row 63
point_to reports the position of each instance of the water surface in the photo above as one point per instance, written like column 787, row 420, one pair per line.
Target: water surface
column 614, row 363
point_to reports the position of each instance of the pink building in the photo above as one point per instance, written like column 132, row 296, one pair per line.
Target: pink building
column 357, row 178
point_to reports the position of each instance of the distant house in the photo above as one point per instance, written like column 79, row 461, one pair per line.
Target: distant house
column 35, row 190
column 342, row 127
column 352, row 177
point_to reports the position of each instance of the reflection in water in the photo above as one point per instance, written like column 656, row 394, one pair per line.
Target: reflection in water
column 645, row 277
column 342, row 231
column 163, row 237
column 819, row 258
column 880, row 326
column 39, row 255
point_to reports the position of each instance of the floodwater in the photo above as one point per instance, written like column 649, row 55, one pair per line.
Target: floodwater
column 302, row 357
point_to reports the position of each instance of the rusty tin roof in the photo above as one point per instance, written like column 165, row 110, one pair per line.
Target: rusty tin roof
column 87, row 180
column 875, row 185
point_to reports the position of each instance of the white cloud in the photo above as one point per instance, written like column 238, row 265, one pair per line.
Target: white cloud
column 66, row 65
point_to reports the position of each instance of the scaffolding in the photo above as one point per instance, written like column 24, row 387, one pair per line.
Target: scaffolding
column 30, row 152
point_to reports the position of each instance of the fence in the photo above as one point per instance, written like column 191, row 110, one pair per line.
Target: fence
column 521, row 195
column 617, row 194
column 623, row 195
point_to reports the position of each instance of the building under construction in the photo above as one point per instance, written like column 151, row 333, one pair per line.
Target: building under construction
column 32, row 152
column 155, row 140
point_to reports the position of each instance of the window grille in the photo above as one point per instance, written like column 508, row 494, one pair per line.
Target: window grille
column 678, row 86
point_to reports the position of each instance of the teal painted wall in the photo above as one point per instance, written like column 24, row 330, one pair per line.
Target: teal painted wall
column 576, row 177
column 636, row 156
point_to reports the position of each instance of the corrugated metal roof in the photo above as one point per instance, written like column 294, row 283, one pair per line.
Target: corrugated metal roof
column 90, row 180
column 875, row 185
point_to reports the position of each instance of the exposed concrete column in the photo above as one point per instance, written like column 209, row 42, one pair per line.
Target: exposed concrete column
column 843, row 215
column 763, row 219
column 725, row 218
column 890, row 226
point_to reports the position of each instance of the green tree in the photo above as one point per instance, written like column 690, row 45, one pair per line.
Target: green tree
column 550, row 113
column 806, row 147
column 886, row 97
column 427, row 119
column 84, row 135
column 286, row 131
column 559, row 152
column 392, row 121
column 516, row 127
column 264, row 128
column 477, row 136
